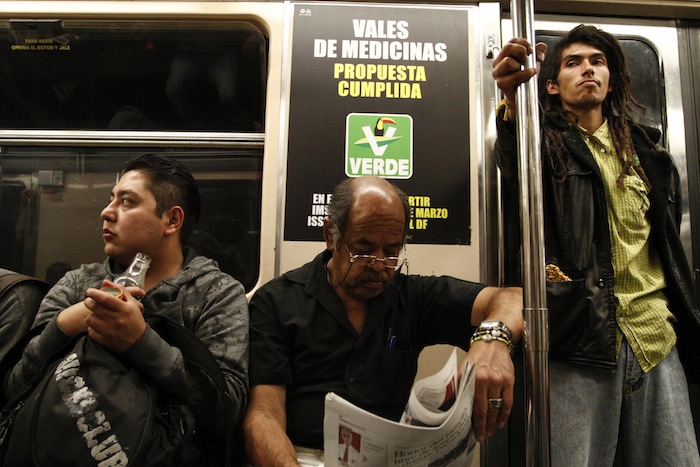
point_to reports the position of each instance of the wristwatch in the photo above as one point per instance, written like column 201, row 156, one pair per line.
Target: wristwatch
column 492, row 324
column 492, row 330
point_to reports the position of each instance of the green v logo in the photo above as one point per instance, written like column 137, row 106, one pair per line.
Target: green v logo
column 379, row 144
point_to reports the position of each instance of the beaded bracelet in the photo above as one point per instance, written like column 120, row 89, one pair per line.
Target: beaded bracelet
column 491, row 334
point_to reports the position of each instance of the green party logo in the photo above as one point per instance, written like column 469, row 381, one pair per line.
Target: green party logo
column 379, row 144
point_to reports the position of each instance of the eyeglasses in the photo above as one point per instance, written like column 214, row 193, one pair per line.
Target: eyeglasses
column 393, row 262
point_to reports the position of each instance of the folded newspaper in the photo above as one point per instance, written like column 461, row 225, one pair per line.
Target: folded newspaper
column 435, row 429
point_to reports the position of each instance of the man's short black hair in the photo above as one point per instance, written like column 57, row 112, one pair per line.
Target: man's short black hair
column 172, row 185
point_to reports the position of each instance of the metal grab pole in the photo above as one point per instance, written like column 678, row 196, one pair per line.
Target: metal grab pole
column 536, row 335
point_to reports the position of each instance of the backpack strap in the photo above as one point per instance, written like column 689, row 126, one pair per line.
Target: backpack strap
column 10, row 279
column 197, row 354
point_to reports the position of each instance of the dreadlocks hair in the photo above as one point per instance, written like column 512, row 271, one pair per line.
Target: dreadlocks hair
column 618, row 106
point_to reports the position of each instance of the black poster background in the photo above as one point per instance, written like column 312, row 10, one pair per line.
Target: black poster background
column 316, row 141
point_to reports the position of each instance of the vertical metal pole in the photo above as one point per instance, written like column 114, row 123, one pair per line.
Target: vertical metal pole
column 536, row 335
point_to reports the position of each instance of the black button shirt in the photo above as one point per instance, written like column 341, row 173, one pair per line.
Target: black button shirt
column 302, row 339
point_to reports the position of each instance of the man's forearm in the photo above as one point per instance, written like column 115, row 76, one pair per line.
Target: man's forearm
column 266, row 442
column 501, row 304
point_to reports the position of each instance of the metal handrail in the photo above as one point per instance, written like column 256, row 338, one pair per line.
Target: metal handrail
column 119, row 138
column 536, row 333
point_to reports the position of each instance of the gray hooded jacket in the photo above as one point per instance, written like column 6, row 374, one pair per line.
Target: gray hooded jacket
column 201, row 297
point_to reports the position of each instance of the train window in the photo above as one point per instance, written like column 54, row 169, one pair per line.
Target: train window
column 119, row 75
column 146, row 76
column 646, row 72
column 51, row 199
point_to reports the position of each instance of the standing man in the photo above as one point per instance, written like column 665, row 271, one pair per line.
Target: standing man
column 153, row 209
column 349, row 323
column 618, row 279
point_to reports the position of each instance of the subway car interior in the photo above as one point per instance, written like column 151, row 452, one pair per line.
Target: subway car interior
column 85, row 87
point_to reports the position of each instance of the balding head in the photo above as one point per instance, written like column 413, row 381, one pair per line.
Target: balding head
column 373, row 196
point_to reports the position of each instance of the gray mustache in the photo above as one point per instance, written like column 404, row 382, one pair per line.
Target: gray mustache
column 373, row 277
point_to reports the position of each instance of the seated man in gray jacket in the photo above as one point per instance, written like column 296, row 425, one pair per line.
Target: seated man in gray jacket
column 152, row 209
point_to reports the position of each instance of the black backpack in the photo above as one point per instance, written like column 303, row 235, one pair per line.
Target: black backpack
column 86, row 408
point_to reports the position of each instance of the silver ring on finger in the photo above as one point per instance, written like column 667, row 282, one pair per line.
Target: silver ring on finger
column 496, row 403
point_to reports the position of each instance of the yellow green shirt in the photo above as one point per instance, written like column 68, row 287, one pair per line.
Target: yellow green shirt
column 642, row 311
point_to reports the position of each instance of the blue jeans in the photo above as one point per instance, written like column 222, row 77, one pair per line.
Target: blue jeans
column 646, row 417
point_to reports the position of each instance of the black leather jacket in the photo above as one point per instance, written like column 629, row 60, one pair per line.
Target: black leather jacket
column 582, row 311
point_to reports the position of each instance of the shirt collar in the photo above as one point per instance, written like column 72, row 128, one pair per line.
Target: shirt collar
column 602, row 134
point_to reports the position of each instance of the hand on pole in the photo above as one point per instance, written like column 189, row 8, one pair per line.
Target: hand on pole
column 509, row 66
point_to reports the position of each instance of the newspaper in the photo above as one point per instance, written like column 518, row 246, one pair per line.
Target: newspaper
column 435, row 429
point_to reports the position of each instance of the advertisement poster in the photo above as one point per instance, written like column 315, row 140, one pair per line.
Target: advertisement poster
column 380, row 90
